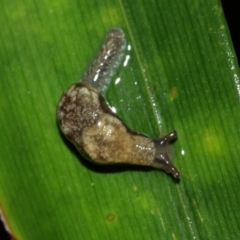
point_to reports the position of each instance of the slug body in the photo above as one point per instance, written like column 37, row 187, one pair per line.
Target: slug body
column 99, row 134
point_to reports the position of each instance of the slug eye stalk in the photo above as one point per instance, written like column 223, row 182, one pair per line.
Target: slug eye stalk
column 162, row 158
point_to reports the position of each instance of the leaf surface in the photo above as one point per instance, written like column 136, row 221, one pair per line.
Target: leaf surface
column 182, row 75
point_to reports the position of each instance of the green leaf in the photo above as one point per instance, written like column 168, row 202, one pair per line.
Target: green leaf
column 182, row 75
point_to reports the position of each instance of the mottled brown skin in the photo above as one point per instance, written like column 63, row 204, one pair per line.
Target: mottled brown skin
column 97, row 132
column 88, row 122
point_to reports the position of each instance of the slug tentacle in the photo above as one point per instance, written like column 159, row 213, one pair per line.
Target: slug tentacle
column 107, row 61
column 99, row 134
column 162, row 159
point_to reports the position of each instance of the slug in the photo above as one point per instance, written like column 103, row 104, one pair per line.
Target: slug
column 98, row 133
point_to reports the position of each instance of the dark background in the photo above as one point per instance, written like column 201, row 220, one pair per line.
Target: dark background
column 232, row 13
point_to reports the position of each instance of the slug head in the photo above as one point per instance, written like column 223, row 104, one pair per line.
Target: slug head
column 162, row 159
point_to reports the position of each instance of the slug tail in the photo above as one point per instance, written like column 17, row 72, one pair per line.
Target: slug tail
column 162, row 159
column 108, row 60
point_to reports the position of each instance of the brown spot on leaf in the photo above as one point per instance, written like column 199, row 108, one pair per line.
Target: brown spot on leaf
column 110, row 217
column 174, row 93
